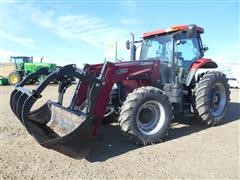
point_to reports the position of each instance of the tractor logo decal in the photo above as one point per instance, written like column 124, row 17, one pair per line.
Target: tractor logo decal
column 145, row 63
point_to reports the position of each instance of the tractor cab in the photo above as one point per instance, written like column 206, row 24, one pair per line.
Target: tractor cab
column 177, row 48
column 20, row 60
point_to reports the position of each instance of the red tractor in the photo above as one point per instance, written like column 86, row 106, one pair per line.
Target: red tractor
column 145, row 94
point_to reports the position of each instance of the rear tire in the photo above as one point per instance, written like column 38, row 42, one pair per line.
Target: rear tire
column 14, row 78
column 146, row 115
column 212, row 98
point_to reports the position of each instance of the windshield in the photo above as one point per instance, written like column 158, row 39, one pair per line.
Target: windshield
column 18, row 60
column 157, row 48
column 21, row 59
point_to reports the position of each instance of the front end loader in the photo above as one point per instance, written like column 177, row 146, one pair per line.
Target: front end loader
column 143, row 94
column 70, row 130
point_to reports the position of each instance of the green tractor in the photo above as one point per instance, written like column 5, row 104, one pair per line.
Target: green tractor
column 23, row 66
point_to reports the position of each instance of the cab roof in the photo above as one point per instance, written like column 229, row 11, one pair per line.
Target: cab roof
column 170, row 30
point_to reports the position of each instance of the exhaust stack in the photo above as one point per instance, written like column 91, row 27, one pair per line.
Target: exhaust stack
column 132, row 48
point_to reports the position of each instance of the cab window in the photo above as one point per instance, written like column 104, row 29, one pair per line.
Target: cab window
column 188, row 49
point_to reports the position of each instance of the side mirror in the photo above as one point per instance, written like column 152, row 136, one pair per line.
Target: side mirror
column 128, row 44
column 192, row 31
column 205, row 48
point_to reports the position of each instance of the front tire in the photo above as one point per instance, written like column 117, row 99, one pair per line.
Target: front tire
column 212, row 98
column 14, row 78
column 146, row 115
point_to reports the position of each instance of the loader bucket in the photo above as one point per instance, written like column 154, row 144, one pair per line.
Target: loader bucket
column 54, row 126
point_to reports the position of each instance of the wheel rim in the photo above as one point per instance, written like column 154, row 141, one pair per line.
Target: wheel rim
column 217, row 99
column 14, row 79
column 150, row 117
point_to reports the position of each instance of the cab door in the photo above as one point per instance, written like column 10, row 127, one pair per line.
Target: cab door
column 187, row 51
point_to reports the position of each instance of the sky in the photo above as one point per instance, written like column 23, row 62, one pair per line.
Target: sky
column 75, row 31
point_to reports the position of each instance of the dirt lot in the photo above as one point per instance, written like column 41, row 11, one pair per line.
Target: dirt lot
column 190, row 151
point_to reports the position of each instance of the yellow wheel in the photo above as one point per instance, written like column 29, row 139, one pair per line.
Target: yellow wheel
column 14, row 78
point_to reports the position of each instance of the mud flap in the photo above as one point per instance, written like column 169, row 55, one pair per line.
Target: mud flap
column 52, row 125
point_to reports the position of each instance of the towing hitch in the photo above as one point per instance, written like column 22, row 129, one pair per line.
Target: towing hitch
column 68, row 130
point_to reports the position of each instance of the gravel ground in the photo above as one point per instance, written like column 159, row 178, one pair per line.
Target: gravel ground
column 191, row 151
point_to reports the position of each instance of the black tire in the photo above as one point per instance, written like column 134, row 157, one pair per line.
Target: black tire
column 14, row 78
column 133, row 115
column 212, row 98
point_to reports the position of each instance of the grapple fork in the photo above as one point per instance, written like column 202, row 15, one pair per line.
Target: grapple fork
column 63, row 129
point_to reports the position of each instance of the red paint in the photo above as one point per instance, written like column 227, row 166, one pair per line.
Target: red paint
column 148, row 70
column 130, row 85
column 200, row 62
column 171, row 29
column 81, row 96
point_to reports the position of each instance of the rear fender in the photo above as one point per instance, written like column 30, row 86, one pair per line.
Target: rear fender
column 204, row 64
